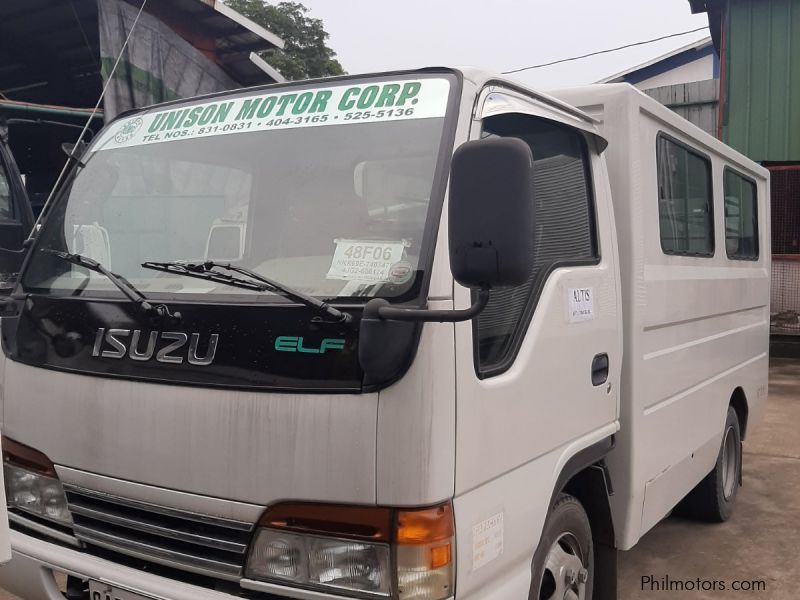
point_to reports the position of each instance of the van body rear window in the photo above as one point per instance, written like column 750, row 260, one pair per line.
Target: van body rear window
column 741, row 216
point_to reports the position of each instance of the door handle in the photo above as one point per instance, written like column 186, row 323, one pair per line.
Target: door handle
column 599, row 369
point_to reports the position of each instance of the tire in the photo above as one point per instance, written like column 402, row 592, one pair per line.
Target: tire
column 563, row 564
column 713, row 498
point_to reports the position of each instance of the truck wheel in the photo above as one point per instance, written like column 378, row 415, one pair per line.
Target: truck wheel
column 713, row 498
column 563, row 565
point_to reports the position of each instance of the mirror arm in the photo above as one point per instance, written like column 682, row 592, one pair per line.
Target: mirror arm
column 381, row 309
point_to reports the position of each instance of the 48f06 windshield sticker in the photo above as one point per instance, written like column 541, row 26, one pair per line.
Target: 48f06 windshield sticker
column 348, row 104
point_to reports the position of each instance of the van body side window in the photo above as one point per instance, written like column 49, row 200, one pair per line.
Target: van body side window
column 685, row 200
column 564, row 232
column 741, row 216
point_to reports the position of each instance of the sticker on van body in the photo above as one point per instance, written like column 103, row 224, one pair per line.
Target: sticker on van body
column 580, row 304
column 487, row 540
column 346, row 104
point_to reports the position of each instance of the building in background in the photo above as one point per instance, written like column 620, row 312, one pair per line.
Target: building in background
column 697, row 61
column 758, row 42
column 685, row 80
column 56, row 58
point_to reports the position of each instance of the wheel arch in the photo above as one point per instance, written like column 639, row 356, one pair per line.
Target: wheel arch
column 591, row 487
column 586, row 477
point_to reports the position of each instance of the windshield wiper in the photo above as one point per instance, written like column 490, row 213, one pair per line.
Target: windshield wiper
column 256, row 281
column 124, row 286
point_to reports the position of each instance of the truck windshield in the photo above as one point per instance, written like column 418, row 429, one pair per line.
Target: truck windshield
column 325, row 189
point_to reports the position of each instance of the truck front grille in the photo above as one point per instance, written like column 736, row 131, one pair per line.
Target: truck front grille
column 197, row 543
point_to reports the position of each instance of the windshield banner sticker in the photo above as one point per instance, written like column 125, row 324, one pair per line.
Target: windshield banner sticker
column 365, row 261
column 347, row 104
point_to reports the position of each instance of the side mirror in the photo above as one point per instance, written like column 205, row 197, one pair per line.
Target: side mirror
column 491, row 246
column 491, row 227
column 75, row 151
column 491, row 213
column 10, row 263
column 7, row 284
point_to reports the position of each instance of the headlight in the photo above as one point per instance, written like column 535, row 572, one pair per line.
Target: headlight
column 364, row 552
column 321, row 562
column 32, row 484
column 36, row 494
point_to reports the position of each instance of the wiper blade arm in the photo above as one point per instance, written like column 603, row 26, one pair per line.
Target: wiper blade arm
column 197, row 271
column 124, row 286
column 285, row 291
column 256, row 282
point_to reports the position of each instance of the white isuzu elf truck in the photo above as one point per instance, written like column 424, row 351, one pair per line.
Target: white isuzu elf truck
column 416, row 335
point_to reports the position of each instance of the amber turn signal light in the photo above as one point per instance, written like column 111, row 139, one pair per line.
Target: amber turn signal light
column 27, row 458
column 425, row 526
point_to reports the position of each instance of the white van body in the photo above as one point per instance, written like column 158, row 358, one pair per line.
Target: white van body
column 685, row 338
column 689, row 332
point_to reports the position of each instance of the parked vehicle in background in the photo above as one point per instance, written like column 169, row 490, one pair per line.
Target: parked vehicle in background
column 16, row 218
column 413, row 335
column 16, row 221
column 5, row 537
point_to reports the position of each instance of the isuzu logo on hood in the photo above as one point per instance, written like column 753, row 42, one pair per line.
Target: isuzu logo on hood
column 118, row 343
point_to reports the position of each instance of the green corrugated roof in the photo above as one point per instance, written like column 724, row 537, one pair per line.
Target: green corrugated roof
column 761, row 111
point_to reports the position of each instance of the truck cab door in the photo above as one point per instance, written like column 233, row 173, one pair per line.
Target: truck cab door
column 16, row 217
column 538, row 370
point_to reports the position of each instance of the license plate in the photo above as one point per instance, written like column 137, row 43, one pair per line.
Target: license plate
column 102, row 591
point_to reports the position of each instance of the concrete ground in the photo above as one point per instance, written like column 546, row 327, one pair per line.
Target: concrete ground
column 761, row 542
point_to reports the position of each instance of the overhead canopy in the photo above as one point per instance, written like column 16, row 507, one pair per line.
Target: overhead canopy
column 50, row 51
column 51, row 64
column 47, row 53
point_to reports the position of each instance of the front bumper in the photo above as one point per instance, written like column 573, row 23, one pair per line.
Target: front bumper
column 31, row 576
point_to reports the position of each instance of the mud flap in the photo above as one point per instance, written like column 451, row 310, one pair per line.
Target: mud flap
column 605, row 572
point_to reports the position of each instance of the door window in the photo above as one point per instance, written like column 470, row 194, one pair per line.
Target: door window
column 563, row 229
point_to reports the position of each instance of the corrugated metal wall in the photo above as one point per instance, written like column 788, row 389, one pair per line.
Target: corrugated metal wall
column 761, row 108
column 697, row 102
